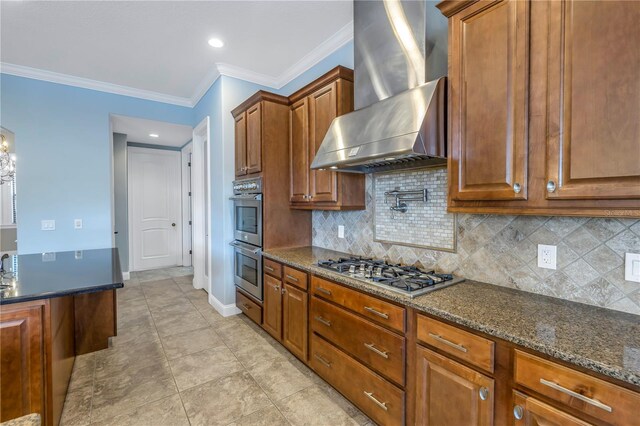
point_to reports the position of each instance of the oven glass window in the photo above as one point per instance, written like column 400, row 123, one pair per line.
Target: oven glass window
column 247, row 268
column 247, row 219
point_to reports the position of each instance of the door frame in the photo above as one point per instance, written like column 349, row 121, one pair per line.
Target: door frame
column 187, row 215
column 201, row 202
column 179, row 244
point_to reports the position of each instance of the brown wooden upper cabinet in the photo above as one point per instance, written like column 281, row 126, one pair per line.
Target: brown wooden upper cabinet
column 249, row 128
column 488, row 95
column 544, row 107
column 312, row 109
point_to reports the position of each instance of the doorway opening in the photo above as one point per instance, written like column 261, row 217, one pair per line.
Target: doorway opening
column 151, row 202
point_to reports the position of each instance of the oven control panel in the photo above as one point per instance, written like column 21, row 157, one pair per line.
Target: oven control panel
column 248, row 186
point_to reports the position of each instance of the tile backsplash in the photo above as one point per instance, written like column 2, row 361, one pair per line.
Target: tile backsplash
column 425, row 224
column 502, row 250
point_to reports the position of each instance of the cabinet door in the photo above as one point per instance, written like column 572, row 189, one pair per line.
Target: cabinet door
column 593, row 146
column 272, row 307
column 241, row 144
column 22, row 363
column 254, row 139
column 448, row 393
column 323, row 109
column 299, row 151
column 295, row 331
column 488, row 80
column 529, row 411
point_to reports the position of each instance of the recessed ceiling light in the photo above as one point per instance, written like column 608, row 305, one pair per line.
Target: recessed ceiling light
column 154, row 135
column 215, row 42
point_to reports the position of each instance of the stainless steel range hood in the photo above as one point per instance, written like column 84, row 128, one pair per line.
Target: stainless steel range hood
column 400, row 120
column 405, row 130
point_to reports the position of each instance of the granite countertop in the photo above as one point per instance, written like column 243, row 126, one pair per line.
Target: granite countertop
column 47, row 275
column 28, row 420
column 598, row 339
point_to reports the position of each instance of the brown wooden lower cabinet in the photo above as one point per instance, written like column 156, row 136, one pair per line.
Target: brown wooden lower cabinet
column 285, row 308
column 249, row 307
column 528, row 411
column 449, row 393
column 294, row 311
column 39, row 341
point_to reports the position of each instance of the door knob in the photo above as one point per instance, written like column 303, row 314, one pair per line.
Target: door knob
column 173, row 224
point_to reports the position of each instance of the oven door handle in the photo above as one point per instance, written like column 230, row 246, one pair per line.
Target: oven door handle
column 243, row 197
column 245, row 247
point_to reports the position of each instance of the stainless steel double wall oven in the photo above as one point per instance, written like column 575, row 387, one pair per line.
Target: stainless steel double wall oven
column 247, row 212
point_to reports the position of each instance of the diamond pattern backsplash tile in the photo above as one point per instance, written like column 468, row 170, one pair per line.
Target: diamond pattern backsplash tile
column 502, row 250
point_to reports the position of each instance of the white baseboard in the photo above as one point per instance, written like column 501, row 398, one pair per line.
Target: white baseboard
column 224, row 310
column 126, row 276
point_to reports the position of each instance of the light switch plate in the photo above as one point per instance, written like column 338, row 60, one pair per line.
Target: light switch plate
column 77, row 223
column 340, row 231
column 48, row 225
column 547, row 256
column 632, row 267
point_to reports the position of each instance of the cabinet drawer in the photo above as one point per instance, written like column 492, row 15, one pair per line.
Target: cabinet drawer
column 377, row 310
column 272, row 268
column 463, row 345
column 295, row 277
column 592, row 396
column 249, row 307
column 373, row 345
column 376, row 397
column 530, row 411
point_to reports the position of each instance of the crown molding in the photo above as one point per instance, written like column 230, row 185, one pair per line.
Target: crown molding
column 333, row 43
column 205, row 85
column 85, row 83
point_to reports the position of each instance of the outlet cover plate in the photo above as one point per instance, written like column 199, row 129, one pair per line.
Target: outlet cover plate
column 77, row 223
column 48, row 225
column 632, row 267
column 547, row 256
column 340, row 231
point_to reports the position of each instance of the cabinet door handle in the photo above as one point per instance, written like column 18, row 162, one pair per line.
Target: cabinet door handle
column 382, row 405
column 322, row 360
column 517, row 188
column 247, row 307
column 378, row 313
column 483, row 393
column 284, row 290
column 269, row 268
column 294, row 279
column 372, row 348
column 551, row 186
column 576, row 395
column 518, row 412
column 323, row 321
column 276, row 288
column 324, row 290
column 449, row 343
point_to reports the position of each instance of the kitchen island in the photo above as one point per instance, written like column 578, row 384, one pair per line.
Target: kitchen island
column 53, row 306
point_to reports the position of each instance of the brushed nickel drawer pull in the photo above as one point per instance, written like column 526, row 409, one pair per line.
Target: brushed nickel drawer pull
column 382, row 405
column 323, row 321
column 294, row 279
column 324, row 290
column 449, row 343
column 269, row 268
column 372, row 348
column 378, row 313
column 323, row 361
column 247, row 307
column 573, row 394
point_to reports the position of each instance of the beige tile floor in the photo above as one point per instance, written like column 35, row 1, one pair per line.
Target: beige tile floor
column 176, row 361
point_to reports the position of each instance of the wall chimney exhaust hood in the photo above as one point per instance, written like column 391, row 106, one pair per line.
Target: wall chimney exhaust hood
column 400, row 119
column 404, row 131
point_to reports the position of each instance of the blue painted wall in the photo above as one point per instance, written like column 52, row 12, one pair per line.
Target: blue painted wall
column 64, row 158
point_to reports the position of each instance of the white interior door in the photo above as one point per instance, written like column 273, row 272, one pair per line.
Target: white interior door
column 155, row 208
column 201, row 199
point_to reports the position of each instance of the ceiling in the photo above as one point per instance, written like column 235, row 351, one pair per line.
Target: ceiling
column 161, row 46
column 138, row 130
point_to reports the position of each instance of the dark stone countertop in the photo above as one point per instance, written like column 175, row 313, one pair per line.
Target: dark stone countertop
column 602, row 340
column 48, row 275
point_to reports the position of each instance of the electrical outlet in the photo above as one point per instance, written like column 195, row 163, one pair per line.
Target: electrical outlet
column 77, row 223
column 547, row 256
column 48, row 225
column 340, row 231
column 632, row 267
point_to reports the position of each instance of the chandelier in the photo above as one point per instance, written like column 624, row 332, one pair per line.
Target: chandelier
column 7, row 163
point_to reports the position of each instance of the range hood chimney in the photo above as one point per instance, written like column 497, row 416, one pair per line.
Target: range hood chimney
column 400, row 64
